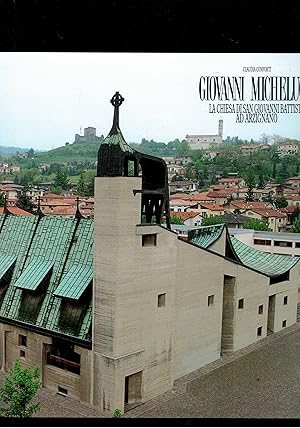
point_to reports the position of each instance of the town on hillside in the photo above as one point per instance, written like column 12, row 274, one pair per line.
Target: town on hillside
column 244, row 184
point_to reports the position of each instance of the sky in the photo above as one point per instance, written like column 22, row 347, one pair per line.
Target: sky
column 46, row 98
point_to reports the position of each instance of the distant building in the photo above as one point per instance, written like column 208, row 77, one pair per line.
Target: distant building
column 288, row 148
column 232, row 182
column 89, row 134
column 246, row 149
column 293, row 181
column 182, row 186
column 205, row 142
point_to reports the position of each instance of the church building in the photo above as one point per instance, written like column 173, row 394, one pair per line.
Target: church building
column 116, row 308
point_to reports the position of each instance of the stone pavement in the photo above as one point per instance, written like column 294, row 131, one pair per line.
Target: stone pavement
column 261, row 380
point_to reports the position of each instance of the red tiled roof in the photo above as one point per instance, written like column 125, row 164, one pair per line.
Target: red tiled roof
column 52, row 196
column 197, row 197
column 219, row 194
column 248, row 205
column 15, row 211
column 212, row 207
column 59, row 210
column 54, row 203
column 181, row 203
column 293, row 197
column 178, row 195
column 266, row 212
column 218, row 187
column 185, row 215
column 287, row 210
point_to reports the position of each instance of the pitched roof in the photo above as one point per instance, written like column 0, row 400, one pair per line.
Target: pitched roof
column 269, row 264
column 268, row 212
column 75, row 282
column 181, row 203
column 46, row 248
column 288, row 210
column 248, row 205
column 219, row 194
column 211, row 206
column 293, row 197
column 58, row 210
column 33, row 274
column 197, row 197
column 117, row 139
column 15, row 211
column 205, row 236
column 184, row 215
column 179, row 195
column 217, row 187
column 234, row 218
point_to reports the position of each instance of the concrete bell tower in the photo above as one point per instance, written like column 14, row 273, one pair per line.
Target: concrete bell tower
column 129, row 187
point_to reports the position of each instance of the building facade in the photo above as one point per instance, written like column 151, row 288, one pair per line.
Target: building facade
column 205, row 142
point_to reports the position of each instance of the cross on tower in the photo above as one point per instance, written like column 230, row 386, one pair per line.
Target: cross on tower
column 117, row 100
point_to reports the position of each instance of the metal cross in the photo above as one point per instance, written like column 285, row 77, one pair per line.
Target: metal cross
column 117, row 100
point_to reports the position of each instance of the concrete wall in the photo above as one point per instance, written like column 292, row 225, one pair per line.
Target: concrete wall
column 78, row 386
column 131, row 333
column 198, row 326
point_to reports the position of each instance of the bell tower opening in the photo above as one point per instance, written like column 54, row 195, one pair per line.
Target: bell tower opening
column 116, row 158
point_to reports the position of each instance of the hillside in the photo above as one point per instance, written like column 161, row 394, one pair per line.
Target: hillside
column 78, row 152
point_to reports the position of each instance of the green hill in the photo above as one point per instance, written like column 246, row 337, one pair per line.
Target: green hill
column 76, row 152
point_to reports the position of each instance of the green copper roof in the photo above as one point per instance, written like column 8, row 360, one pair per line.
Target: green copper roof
column 33, row 275
column 6, row 262
column 118, row 140
column 41, row 245
column 267, row 263
column 206, row 235
column 75, row 282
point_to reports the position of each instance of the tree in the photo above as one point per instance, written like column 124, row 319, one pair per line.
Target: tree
column 61, row 180
column 117, row 413
column 295, row 214
column 30, row 153
column 176, row 220
column 269, row 198
column 296, row 225
column 209, row 221
column 250, row 182
column 281, row 202
column 57, row 190
column 20, row 387
column 2, row 199
column 183, row 148
column 81, row 187
column 261, row 181
column 24, row 201
column 256, row 224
